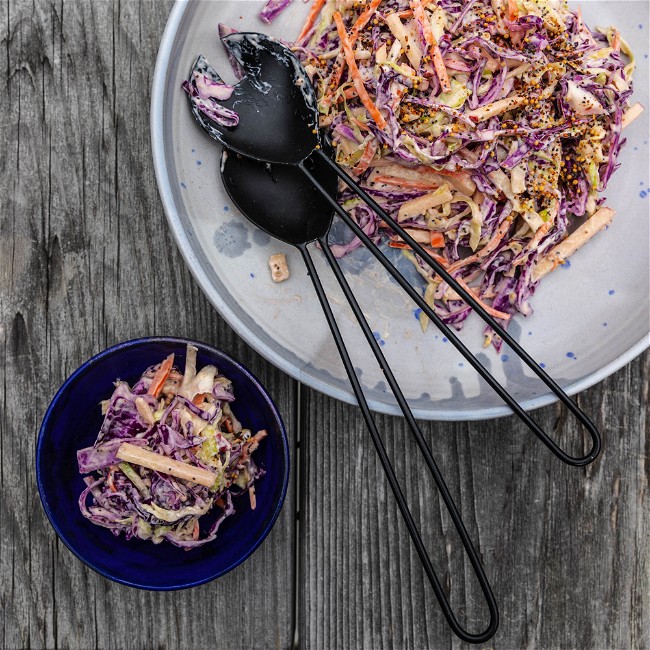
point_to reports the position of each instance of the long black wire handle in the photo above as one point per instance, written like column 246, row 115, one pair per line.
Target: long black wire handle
column 449, row 333
column 385, row 461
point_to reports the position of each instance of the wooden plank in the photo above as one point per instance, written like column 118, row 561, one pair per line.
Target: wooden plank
column 567, row 550
column 86, row 260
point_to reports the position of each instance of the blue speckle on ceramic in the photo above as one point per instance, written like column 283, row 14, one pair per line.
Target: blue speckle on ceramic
column 231, row 238
column 72, row 422
column 261, row 238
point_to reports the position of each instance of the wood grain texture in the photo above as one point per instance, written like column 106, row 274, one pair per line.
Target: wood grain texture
column 87, row 260
column 566, row 550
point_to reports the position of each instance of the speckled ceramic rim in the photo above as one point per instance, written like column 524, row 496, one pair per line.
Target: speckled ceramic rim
column 134, row 344
column 234, row 320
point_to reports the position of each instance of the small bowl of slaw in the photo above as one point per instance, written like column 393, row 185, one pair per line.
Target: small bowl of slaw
column 75, row 432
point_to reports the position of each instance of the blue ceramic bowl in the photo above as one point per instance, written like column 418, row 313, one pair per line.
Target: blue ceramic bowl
column 72, row 422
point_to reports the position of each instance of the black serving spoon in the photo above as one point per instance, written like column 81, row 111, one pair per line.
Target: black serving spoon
column 283, row 202
column 278, row 123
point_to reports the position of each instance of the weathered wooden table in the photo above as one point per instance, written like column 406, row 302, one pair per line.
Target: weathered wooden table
column 86, row 260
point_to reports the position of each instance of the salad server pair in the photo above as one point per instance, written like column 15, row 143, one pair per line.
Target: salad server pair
column 277, row 171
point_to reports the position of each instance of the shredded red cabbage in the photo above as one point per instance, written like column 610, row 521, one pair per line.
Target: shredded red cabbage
column 185, row 417
column 520, row 144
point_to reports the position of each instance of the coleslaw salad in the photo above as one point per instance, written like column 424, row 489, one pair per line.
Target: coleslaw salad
column 488, row 128
column 170, row 451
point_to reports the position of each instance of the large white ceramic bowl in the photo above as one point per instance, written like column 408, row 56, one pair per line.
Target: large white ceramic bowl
column 590, row 318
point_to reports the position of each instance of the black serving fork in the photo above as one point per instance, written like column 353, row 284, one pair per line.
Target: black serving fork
column 277, row 172
column 283, row 202
column 278, row 123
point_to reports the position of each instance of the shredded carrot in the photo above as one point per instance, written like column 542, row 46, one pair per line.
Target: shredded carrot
column 404, row 246
column 361, row 22
column 490, row 310
column 332, row 85
column 487, row 249
column 311, row 17
column 513, row 12
column 338, row 97
column 110, row 481
column 464, row 262
column 368, row 155
column 398, row 244
column 440, row 259
column 437, row 239
column 354, row 73
column 439, row 67
column 408, row 13
column 348, row 93
column 251, row 494
column 616, row 40
column 252, row 444
column 161, row 375
column 434, row 50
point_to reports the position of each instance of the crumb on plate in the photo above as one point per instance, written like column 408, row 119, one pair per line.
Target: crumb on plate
column 279, row 268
